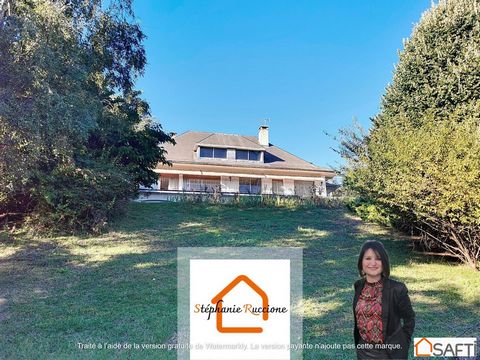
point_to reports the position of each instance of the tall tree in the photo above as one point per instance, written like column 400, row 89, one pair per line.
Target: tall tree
column 420, row 161
column 67, row 74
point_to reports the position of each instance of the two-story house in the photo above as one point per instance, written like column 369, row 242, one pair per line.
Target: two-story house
column 235, row 164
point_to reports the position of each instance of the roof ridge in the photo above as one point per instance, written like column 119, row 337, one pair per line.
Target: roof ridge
column 218, row 133
column 183, row 133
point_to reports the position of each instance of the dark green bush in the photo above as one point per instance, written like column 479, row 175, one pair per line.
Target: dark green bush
column 77, row 199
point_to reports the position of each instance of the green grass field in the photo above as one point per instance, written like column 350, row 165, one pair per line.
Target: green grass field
column 121, row 286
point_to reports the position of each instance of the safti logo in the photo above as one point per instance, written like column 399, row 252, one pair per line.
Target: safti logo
column 219, row 300
column 445, row 347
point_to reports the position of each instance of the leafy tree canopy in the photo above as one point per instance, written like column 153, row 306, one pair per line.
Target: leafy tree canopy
column 419, row 162
column 68, row 107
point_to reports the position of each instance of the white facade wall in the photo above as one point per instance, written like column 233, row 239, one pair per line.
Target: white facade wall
column 230, row 184
column 231, row 154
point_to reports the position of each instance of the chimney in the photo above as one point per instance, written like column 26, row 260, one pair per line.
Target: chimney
column 263, row 135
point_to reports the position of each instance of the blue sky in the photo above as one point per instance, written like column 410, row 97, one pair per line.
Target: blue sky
column 308, row 66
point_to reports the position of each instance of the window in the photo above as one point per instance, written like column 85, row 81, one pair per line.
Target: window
column 249, row 186
column 277, row 187
column 168, row 182
column 202, row 184
column 247, row 155
column 163, row 183
column 304, row 188
column 241, row 154
column 254, row 155
column 208, row 152
column 220, row 153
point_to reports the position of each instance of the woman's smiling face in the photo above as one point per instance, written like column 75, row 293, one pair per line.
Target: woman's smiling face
column 372, row 265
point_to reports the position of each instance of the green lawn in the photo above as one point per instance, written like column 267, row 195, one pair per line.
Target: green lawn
column 121, row 286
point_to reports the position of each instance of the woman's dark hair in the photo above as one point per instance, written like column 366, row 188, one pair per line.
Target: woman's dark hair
column 379, row 249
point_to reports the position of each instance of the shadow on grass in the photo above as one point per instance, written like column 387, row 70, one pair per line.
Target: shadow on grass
column 121, row 286
column 51, row 303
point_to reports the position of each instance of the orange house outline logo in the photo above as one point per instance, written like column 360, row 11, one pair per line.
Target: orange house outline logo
column 417, row 345
column 219, row 315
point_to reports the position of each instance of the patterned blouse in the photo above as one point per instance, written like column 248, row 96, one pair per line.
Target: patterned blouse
column 369, row 313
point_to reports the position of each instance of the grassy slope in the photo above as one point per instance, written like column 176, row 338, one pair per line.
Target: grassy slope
column 121, row 286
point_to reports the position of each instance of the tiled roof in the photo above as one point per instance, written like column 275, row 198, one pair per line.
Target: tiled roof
column 230, row 141
column 275, row 158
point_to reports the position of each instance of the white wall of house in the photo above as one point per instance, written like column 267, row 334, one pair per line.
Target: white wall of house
column 231, row 154
column 229, row 184
column 289, row 186
column 266, row 186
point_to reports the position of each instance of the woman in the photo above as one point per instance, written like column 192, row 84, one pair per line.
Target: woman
column 378, row 305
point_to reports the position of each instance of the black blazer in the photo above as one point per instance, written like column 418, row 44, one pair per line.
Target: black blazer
column 395, row 306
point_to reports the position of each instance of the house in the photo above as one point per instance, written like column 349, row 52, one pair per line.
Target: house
column 205, row 162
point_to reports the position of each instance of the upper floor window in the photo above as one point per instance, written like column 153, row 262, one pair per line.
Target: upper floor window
column 208, row 152
column 247, row 155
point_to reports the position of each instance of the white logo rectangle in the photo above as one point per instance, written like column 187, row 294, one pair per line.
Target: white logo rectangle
column 246, row 328
column 445, row 347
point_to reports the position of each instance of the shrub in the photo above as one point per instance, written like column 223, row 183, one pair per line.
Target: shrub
column 420, row 159
column 263, row 200
column 79, row 199
column 369, row 211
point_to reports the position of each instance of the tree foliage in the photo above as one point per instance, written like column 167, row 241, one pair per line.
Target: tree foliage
column 419, row 162
column 75, row 137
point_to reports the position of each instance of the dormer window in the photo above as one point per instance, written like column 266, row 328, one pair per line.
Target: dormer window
column 208, row 152
column 247, row 155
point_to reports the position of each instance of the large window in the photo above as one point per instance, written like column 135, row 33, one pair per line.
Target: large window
column 164, row 183
column 201, row 183
column 247, row 155
column 304, row 188
column 277, row 187
column 249, row 186
column 168, row 182
column 208, row 152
